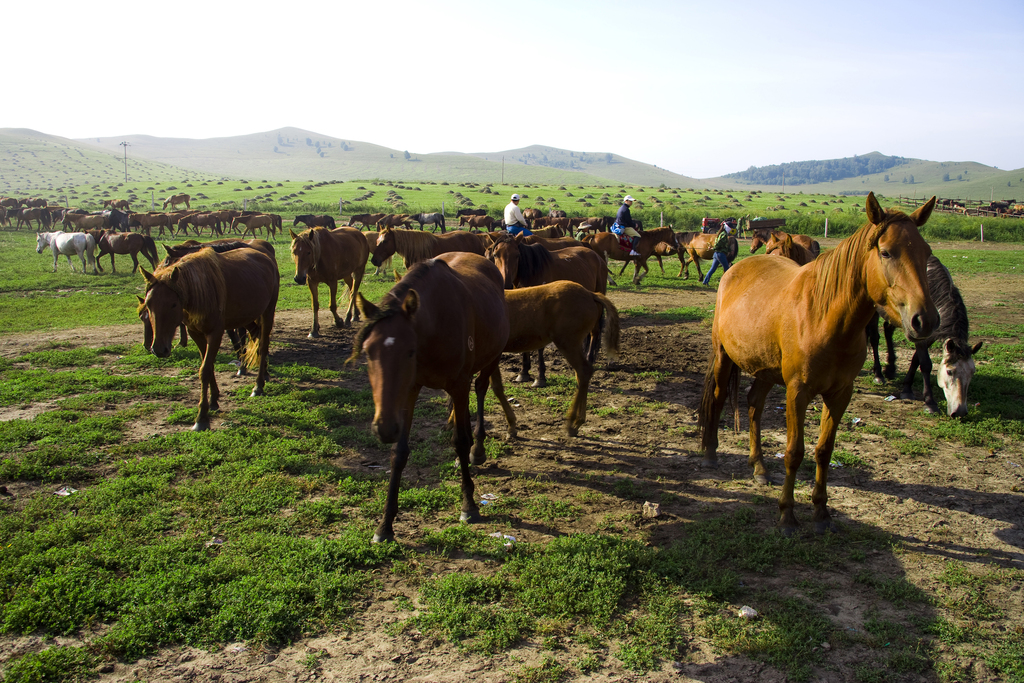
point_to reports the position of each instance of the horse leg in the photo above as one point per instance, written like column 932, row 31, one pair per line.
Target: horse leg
column 314, row 294
column 683, row 265
column 573, row 352
column 332, row 286
column 399, row 457
column 660, row 265
column 921, row 352
column 890, row 361
column 796, row 410
column 524, row 375
column 831, row 414
column 756, row 396
column 135, row 262
column 349, row 283
column 463, row 438
column 209, row 345
column 182, row 335
column 499, row 391
column 266, row 325
column 908, row 382
column 872, row 333
column 237, row 344
column 716, row 389
column 623, row 268
column 542, row 377
column 479, row 456
column 357, row 281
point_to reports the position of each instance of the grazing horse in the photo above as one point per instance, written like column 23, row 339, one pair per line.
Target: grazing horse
column 130, row 243
column 567, row 314
column 435, row 219
column 177, row 200
column 763, row 236
column 694, row 246
column 416, row 246
column 526, row 265
column 200, row 221
column 957, row 367
column 394, row 220
column 254, row 221
column 607, row 244
column 443, row 323
column 117, row 204
column 365, row 220
column 803, row 327
column 315, row 221
column 470, row 212
column 82, row 221
column 68, row 243
column 212, row 292
column 484, row 222
column 790, row 248
column 325, row 255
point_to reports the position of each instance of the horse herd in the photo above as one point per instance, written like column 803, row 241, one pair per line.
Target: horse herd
column 466, row 298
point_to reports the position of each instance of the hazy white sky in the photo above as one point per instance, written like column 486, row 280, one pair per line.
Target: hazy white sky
column 700, row 88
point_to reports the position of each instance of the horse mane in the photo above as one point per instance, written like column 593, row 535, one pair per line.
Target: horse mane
column 199, row 285
column 392, row 302
column 832, row 269
column 312, row 236
column 414, row 246
column 533, row 261
column 950, row 305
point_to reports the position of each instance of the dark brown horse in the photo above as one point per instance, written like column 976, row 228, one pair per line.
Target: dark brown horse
column 212, row 292
column 442, row 324
column 415, row 246
column 315, row 221
column 326, row 256
column 126, row 243
column 607, row 244
column 566, row 314
column 694, row 246
column 803, row 328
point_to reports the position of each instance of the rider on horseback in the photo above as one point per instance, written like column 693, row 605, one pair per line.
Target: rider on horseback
column 515, row 222
column 624, row 227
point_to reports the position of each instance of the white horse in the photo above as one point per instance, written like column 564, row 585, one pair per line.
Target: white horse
column 68, row 243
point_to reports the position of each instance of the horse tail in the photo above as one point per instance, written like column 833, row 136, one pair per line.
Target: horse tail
column 706, row 417
column 250, row 356
column 331, row 224
column 610, row 323
column 149, row 250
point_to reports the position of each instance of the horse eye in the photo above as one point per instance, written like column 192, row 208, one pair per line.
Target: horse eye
column 884, row 254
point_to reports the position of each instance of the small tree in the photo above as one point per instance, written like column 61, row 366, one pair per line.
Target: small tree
column 945, row 177
column 911, row 180
column 886, row 177
column 406, row 154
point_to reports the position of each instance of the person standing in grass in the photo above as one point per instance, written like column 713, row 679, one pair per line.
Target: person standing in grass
column 515, row 222
column 721, row 257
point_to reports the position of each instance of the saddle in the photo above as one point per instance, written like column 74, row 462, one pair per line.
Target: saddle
column 627, row 243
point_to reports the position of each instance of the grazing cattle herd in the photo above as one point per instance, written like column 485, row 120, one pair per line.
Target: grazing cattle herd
column 469, row 295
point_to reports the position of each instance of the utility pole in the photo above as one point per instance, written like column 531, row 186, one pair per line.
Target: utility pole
column 503, row 170
column 126, row 145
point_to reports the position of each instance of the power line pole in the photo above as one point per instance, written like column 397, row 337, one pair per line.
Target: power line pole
column 126, row 145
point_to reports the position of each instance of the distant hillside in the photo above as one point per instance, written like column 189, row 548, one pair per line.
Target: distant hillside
column 812, row 172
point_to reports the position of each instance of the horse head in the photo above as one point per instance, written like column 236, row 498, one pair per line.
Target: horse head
column 955, row 373
column 896, row 268
column 164, row 311
column 389, row 340
column 504, row 253
column 386, row 246
column 305, row 253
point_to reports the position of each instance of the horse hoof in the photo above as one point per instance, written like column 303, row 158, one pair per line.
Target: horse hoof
column 539, row 383
column 383, row 538
column 313, row 335
column 258, row 391
column 762, row 479
column 908, row 395
column 711, row 463
column 879, row 380
column 201, row 426
column 572, row 431
column 478, row 458
column 931, row 408
column 788, row 531
column 521, row 378
column 822, row 528
column 470, row 517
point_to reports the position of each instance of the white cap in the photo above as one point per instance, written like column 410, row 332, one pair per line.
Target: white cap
column 629, row 198
column 515, row 198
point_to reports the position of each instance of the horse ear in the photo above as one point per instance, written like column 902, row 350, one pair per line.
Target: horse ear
column 411, row 303
column 368, row 310
column 976, row 348
column 294, row 236
column 492, row 237
column 875, row 212
column 142, row 301
column 149, row 276
column 920, row 217
column 174, row 275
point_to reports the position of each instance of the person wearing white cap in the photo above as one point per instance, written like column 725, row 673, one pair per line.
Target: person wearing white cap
column 625, row 225
column 515, row 222
column 721, row 256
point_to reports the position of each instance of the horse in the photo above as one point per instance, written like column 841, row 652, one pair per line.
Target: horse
column 82, row 221
column 564, row 313
column 957, row 367
column 146, row 221
column 783, row 244
column 763, row 236
column 470, row 212
column 200, row 221
column 210, row 292
column 178, row 200
column 529, row 265
column 607, row 244
column 26, row 216
column 365, row 220
column 435, row 219
column 416, row 246
column 254, row 221
column 394, row 220
column 315, row 221
column 484, row 222
column 68, row 243
column 325, row 255
column 116, row 220
column 443, row 323
column 117, row 204
column 130, row 243
column 803, row 327
column 696, row 246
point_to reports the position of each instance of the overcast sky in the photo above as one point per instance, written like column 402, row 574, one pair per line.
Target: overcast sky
column 702, row 88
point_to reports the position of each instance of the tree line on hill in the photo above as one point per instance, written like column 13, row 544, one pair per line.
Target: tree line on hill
column 815, row 171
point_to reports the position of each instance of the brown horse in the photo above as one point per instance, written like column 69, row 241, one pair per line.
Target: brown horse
column 371, row 241
column 607, row 244
column 784, row 244
column 484, row 222
column 210, row 293
column 803, row 327
column 365, row 220
column 694, row 246
column 564, row 313
column 763, row 236
column 130, row 243
column 254, row 221
column 325, row 255
column 415, row 246
column 178, row 200
column 146, row 221
column 443, row 323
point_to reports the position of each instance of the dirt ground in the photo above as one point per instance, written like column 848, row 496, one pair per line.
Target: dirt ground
column 957, row 502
